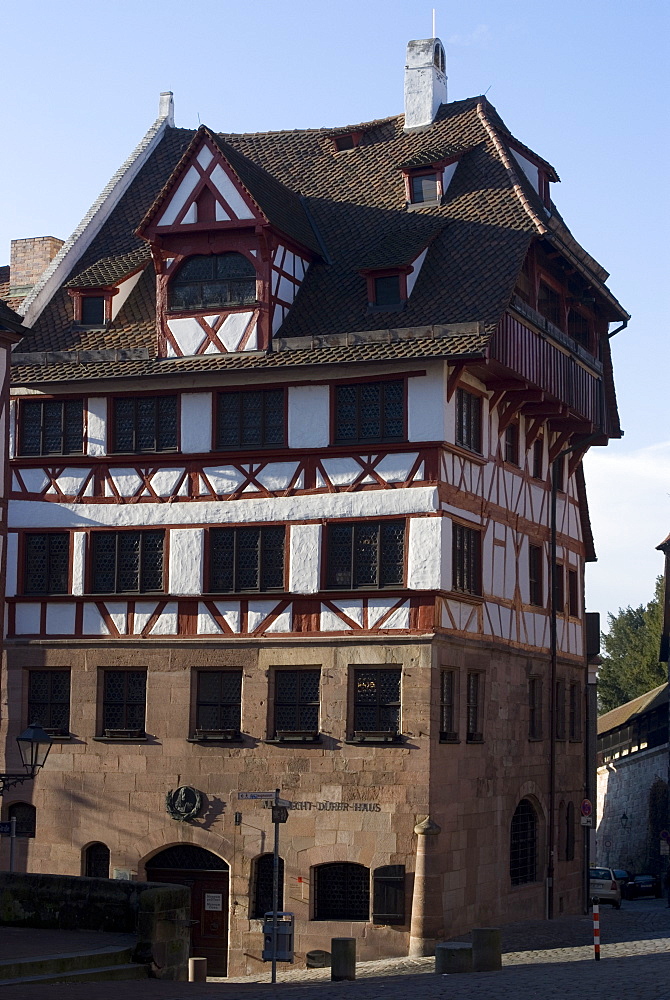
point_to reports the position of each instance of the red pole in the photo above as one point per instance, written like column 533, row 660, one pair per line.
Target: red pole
column 596, row 931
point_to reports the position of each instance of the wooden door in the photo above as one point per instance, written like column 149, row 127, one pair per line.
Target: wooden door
column 209, row 913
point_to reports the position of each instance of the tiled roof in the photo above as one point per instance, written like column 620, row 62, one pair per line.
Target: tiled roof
column 9, row 320
column 638, row 706
column 349, row 207
column 56, row 368
column 4, row 281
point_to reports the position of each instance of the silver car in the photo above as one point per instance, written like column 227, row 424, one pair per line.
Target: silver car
column 604, row 887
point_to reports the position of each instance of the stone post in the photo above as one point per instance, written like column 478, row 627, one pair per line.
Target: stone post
column 426, row 923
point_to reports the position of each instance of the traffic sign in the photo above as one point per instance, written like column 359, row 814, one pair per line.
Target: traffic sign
column 587, row 807
column 664, row 848
column 586, row 820
column 285, row 803
column 665, row 835
column 5, row 829
column 255, row 795
column 279, row 814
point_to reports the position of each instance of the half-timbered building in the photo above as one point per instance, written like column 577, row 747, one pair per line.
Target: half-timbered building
column 280, row 516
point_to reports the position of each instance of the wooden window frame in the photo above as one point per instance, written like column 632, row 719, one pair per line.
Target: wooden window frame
column 573, row 593
column 511, row 444
column 201, row 732
column 263, row 532
column 44, row 718
column 524, row 844
column 23, row 578
column 124, row 732
column 359, row 386
column 536, row 575
column 380, row 704
column 537, row 472
column 135, row 400
column 24, row 404
column 474, row 706
column 105, row 292
column 466, row 559
column 265, row 419
column 142, row 532
column 298, row 703
column 469, row 420
column 257, row 912
column 356, row 527
column 349, row 914
column 228, row 306
column 449, row 705
column 388, row 887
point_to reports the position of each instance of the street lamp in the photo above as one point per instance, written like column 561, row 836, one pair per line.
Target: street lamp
column 624, row 821
column 34, row 745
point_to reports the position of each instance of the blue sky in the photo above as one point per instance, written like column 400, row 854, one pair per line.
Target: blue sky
column 581, row 83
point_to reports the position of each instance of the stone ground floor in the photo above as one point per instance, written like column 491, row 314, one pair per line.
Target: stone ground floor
column 542, row 960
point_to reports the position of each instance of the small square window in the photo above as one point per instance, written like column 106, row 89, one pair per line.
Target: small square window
column 343, row 142
column 92, row 310
column 387, row 290
column 423, row 188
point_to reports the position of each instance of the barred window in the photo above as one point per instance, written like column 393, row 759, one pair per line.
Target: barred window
column 243, row 559
column 341, row 892
column 467, row 559
column 448, row 719
column 523, row 844
column 262, row 878
column 219, row 701
column 474, row 708
column 297, row 701
column 25, row 815
column 127, row 562
column 46, row 562
column 367, row 554
column 251, row 419
column 51, row 427
column 560, row 710
column 369, row 411
column 535, row 708
column 575, row 712
column 388, row 895
column 377, row 700
column 145, row 424
column 213, row 281
column 124, row 701
column 49, row 700
column 468, row 420
column 512, row 444
column 535, row 575
column 96, row 861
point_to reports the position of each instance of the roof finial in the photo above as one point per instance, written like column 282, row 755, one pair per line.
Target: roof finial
column 434, row 35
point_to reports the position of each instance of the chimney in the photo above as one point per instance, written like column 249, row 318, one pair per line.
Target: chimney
column 425, row 82
column 166, row 107
column 28, row 259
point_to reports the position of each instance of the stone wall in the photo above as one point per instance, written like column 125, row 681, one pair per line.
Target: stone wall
column 635, row 786
column 158, row 914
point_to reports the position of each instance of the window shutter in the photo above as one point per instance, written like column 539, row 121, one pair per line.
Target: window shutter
column 388, row 895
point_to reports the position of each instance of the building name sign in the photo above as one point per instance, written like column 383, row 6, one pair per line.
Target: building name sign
column 372, row 807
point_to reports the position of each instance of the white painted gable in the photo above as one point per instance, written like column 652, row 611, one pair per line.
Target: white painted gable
column 230, row 202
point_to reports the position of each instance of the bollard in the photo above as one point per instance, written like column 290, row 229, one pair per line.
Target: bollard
column 486, row 949
column 596, row 930
column 453, row 956
column 197, row 970
column 343, row 959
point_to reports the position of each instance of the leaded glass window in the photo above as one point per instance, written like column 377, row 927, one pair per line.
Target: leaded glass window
column 474, row 707
column 215, row 281
column 341, row 892
column 51, row 427
column 448, row 707
column 127, row 562
column 219, row 700
column 250, row 419
column 368, row 554
column 468, row 420
column 262, row 882
column 523, row 844
column 297, row 701
column 467, row 559
column 369, row 412
column 388, row 896
column 246, row 559
column 124, row 700
column 145, row 423
column 46, row 562
column 96, row 861
column 49, row 700
column 377, row 700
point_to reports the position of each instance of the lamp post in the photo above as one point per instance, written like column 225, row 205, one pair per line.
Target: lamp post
column 624, row 821
column 34, row 745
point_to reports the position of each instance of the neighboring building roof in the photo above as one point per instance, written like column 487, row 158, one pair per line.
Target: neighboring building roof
column 4, row 281
column 638, row 706
column 350, row 209
column 11, row 322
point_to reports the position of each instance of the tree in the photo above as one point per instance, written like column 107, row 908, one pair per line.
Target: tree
column 630, row 664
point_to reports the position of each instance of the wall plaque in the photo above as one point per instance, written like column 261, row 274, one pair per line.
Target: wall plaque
column 183, row 803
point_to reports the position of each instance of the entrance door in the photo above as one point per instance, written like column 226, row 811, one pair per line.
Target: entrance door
column 209, row 899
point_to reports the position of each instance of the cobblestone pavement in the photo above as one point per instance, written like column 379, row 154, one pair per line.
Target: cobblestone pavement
column 542, row 960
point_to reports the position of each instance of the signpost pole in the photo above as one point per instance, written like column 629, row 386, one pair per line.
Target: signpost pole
column 12, row 842
column 275, row 885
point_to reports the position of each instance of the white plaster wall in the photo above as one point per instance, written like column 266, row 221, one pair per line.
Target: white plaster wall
column 60, row 619
column 413, row 275
column 425, row 90
column 13, row 406
column 125, row 288
column 96, row 422
column 427, row 562
column 186, row 561
column 309, row 416
column 529, row 169
column 12, row 563
column 196, row 422
column 178, row 200
column 427, row 406
column 447, row 175
column 78, row 562
column 305, row 558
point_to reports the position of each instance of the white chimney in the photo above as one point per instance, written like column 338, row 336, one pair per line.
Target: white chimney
column 425, row 82
column 166, row 107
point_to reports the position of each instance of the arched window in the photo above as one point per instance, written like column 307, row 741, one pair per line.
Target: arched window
column 523, row 844
column 215, row 281
column 262, row 885
column 24, row 814
column 341, row 892
column 570, row 832
column 96, row 861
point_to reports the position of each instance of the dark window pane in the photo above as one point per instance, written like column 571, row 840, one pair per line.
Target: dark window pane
column 377, row 700
column 221, row 555
column 246, row 559
column 466, row 552
column 424, row 188
column 387, row 290
column 124, row 425
column 217, row 280
column 145, row 424
column 468, row 420
column 342, row 892
column 340, row 537
column 366, row 554
column 31, row 428
column 96, row 861
column 103, row 559
column 535, row 572
column 166, row 431
column 448, row 728
column 388, row 906
column 252, row 419
column 52, row 440
column 549, row 304
column 25, row 814
column 474, row 707
column 124, row 699
column 127, row 561
column 219, row 700
column 346, row 397
column 49, row 700
column 73, row 426
column 263, row 885
column 46, row 563
column 51, row 427
column 523, row 844
column 394, row 417
column 392, row 561
column 370, row 411
column 152, row 561
column 272, row 558
column 92, row 310
column 297, row 700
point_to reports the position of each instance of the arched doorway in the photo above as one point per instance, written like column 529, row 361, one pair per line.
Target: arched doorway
column 207, row 876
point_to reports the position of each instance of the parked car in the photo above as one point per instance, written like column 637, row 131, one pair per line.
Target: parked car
column 623, row 878
column 644, row 885
column 604, row 887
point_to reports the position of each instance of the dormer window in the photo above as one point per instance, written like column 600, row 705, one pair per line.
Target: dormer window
column 424, row 188
column 92, row 306
column 346, row 140
column 387, row 290
column 215, row 281
column 92, row 310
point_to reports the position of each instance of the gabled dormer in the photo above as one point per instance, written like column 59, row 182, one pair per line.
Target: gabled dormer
column 231, row 246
